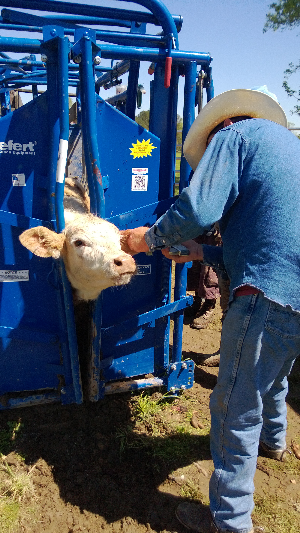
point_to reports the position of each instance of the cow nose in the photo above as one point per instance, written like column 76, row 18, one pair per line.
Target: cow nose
column 124, row 264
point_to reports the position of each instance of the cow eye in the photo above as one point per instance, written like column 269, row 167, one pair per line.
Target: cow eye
column 78, row 243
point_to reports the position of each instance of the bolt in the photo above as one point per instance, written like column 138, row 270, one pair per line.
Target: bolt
column 184, row 365
column 182, row 387
column 53, row 32
column 77, row 59
column 172, row 389
column 44, row 58
column 97, row 60
column 173, row 367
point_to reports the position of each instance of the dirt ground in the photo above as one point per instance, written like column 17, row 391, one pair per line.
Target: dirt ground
column 124, row 463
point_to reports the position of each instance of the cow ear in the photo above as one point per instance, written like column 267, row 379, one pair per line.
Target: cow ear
column 43, row 242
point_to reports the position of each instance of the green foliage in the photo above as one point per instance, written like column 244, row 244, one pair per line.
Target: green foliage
column 284, row 14
column 143, row 120
column 291, row 92
column 270, row 512
column 145, row 407
column 9, row 513
column 15, row 484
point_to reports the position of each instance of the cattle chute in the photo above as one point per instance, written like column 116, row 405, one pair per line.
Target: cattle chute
column 130, row 175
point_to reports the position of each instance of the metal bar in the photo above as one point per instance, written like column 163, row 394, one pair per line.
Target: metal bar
column 83, row 10
column 145, row 318
column 34, row 399
column 163, row 15
column 14, row 44
column 109, row 36
column 210, row 91
column 152, row 54
column 89, row 129
column 63, row 103
column 188, row 117
column 133, row 384
column 185, row 170
column 94, row 21
column 120, row 68
column 16, row 76
column 108, row 51
column 133, row 79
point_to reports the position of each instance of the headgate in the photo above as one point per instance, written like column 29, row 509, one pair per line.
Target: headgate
column 130, row 173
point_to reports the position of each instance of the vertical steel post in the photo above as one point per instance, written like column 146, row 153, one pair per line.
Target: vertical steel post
column 56, row 49
column 63, row 105
column 92, row 161
column 133, row 79
column 185, row 169
column 89, row 129
column 210, row 90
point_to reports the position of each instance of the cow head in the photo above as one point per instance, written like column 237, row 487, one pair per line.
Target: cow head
column 91, row 250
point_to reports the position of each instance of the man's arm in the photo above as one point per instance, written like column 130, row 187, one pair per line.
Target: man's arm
column 211, row 193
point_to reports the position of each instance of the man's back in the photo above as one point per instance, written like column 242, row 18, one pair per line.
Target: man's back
column 261, row 229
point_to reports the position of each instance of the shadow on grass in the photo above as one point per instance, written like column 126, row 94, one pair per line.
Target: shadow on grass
column 101, row 465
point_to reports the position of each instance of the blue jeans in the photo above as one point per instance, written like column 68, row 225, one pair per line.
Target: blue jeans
column 260, row 342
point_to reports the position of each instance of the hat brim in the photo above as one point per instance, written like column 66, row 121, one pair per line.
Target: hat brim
column 234, row 103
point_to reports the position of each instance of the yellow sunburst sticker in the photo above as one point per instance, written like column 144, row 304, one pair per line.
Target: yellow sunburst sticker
column 142, row 149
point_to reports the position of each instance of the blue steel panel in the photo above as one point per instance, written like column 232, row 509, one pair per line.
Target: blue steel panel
column 24, row 152
column 130, row 157
column 34, row 342
column 119, row 137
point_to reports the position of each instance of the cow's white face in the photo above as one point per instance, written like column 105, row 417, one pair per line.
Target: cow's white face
column 93, row 257
column 91, row 250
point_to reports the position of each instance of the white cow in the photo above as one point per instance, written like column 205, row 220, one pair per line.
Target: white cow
column 89, row 246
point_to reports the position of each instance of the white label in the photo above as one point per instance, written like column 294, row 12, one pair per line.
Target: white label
column 14, row 275
column 62, row 160
column 143, row 270
column 12, row 147
column 139, row 179
column 18, row 180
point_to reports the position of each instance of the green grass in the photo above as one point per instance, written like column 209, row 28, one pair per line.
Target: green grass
column 16, row 489
column 270, row 514
column 9, row 514
column 145, row 407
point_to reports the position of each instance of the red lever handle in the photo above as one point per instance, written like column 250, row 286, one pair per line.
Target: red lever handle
column 168, row 67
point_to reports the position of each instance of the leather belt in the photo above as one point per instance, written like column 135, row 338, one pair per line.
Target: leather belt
column 246, row 290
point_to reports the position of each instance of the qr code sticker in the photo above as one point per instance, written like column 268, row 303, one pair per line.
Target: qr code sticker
column 139, row 179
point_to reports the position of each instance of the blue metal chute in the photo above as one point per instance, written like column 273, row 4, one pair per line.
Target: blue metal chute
column 130, row 175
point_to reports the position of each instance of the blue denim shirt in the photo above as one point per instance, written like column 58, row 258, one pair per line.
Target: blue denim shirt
column 249, row 181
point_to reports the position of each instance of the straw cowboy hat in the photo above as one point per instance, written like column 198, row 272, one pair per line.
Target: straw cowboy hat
column 257, row 103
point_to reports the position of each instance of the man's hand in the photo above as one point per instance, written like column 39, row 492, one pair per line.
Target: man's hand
column 134, row 240
column 196, row 253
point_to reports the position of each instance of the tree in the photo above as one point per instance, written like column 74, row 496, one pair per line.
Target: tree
column 285, row 14
column 291, row 92
column 143, row 120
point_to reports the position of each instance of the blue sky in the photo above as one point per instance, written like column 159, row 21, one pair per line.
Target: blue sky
column 243, row 56
column 232, row 32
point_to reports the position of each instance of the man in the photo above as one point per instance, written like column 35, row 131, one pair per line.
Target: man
column 247, row 177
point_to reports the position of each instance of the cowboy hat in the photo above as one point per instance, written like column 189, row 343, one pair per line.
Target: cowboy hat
column 255, row 103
